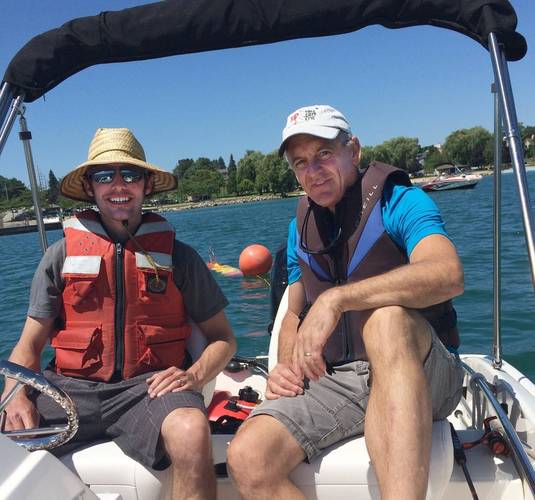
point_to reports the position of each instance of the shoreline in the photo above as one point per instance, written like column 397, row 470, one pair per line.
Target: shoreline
column 234, row 200
column 30, row 226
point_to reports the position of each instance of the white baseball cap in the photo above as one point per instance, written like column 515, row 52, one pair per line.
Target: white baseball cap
column 318, row 120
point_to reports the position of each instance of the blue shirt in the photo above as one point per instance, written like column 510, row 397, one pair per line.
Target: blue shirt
column 409, row 215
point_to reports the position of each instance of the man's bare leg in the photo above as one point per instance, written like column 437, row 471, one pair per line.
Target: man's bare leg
column 261, row 457
column 186, row 437
column 399, row 413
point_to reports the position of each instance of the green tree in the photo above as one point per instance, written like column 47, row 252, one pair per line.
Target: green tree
column 182, row 167
column 11, row 188
column 221, row 164
column 232, row 174
column 14, row 194
column 202, row 182
column 203, row 163
column 367, row 155
column 262, row 177
column 53, row 188
column 231, row 162
column 404, row 153
column 471, row 146
column 400, row 151
column 68, row 203
column 280, row 177
column 382, row 153
column 246, row 186
column 247, row 167
column 528, row 140
column 433, row 158
column 286, row 181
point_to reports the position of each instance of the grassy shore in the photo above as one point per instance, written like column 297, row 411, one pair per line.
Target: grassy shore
column 235, row 200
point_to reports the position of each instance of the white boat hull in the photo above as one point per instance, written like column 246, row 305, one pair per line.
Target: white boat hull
column 342, row 472
column 445, row 185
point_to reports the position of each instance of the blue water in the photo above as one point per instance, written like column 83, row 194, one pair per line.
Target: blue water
column 228, row 229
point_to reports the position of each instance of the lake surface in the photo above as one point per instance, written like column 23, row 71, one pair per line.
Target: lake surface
column 230, row 228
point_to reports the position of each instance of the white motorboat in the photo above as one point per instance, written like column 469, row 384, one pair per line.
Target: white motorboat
column 495, row 420
column 451, row 177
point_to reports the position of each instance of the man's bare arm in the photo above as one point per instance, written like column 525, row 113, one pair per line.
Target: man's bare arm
column 433, row 275
column 221, row 346
column 21, row 413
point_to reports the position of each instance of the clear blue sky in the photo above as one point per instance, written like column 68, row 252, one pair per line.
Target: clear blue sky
column 419, row 82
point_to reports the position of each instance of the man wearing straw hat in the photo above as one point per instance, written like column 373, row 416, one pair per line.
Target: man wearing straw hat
column 114, row 298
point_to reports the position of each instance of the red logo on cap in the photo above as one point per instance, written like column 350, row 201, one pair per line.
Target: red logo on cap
column 293, row 118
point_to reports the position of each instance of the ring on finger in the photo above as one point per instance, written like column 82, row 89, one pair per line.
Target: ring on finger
column 307, row 354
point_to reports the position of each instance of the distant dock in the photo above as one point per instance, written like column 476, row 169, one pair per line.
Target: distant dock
column 26, row 227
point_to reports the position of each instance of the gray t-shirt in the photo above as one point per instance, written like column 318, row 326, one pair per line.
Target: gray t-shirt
column 202, row 296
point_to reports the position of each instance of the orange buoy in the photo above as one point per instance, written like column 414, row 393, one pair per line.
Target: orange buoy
column 255, row 260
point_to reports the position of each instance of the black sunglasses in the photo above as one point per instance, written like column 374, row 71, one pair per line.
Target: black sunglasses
column 105, row 176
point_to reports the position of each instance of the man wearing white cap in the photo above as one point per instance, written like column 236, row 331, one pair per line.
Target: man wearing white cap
column 365, row 344
column 114, row 298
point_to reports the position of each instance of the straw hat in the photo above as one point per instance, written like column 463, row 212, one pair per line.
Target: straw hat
column 114, row 145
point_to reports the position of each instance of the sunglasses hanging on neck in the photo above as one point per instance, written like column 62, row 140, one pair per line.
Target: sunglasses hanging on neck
column 303, row 243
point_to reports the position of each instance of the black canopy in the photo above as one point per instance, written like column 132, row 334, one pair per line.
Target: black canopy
column 185, row 26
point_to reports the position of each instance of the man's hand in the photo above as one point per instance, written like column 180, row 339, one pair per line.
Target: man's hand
column 172, row 379
column 313, row 334
column 21, row 414
column 283, row 381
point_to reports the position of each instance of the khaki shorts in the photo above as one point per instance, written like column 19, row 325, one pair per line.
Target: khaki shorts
column 334, row 408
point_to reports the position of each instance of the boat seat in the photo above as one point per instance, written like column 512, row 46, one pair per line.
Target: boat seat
column 343, row 471
column 107, row 470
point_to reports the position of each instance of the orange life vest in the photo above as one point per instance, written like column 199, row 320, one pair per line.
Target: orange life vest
column 118, row 316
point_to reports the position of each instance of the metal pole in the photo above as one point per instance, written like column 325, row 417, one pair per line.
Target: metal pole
column 6, row 126
column 503, row 82
column 6, row 96
column 520, row 457
column 497, row 347
column 25, row 136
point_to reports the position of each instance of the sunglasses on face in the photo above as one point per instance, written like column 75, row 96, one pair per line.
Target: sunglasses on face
column 105, row 176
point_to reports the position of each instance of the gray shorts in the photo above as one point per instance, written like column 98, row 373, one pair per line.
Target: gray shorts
column 120, row 411
column 334, row 408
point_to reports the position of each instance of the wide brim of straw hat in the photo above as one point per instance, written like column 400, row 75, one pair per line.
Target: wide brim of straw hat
column 114, row 146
